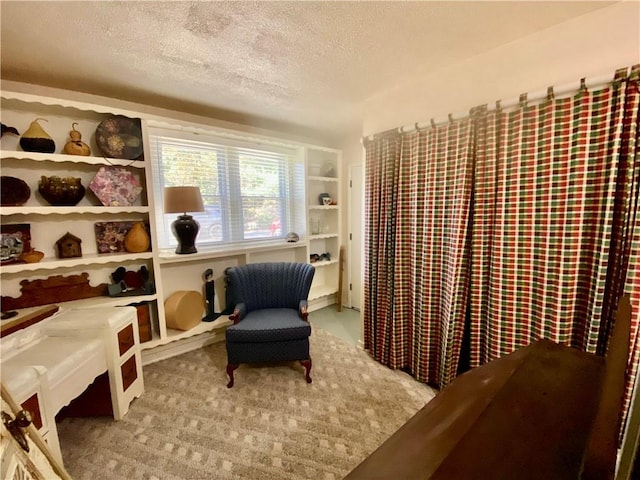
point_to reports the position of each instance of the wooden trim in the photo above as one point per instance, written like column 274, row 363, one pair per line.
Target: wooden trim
column 28, row 320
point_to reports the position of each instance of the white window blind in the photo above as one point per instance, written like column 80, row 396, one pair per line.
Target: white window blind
column 252, row 192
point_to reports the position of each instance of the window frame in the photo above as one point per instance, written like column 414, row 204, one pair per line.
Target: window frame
column 292, row 210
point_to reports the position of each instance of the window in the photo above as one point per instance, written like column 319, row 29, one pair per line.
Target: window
column 252, row 192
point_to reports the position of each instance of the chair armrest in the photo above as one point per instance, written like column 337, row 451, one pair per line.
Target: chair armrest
column 238, row 313
column 302, row 309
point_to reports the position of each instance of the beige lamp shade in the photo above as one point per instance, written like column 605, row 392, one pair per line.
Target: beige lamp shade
column 182, row 200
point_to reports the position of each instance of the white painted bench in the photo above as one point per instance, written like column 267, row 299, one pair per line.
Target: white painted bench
column 59, row 357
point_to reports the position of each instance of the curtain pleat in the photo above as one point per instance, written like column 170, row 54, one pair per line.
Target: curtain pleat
column 381, row 176
column 627, row 268
column 420, row 261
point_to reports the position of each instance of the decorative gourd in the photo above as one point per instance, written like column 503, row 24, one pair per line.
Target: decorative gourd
column 35, row 139
column 137, row 239
column 76, row 146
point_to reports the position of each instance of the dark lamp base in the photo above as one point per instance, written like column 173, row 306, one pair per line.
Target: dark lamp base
column 185, row 229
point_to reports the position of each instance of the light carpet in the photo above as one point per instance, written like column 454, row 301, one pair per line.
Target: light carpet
column 271, row 425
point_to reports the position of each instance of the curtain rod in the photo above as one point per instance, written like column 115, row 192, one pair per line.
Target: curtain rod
column 538, row 95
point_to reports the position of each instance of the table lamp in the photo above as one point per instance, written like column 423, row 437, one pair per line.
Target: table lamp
column 185, row 227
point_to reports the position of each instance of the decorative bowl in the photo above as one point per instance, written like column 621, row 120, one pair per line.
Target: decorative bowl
column 33, row 256
column 15, row 191
column 61, row 191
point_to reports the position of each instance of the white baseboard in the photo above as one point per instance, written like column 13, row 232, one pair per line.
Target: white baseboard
column 179, row 347
column 318, row 303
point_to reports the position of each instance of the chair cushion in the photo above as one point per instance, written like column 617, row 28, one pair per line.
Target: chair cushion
column 269, row 325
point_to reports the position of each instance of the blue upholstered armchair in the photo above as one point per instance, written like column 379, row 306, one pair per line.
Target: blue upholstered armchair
column 270, row 314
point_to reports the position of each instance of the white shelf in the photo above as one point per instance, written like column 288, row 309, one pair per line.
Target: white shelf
column 60, row 158
column 90, row 259
column 324, row 263
column 322, row 236
column 202, row 327
column 53, row 210
column 30, row 98
column 168, row 257
column 320, row 291
column 108, row 301
column 323, row 207
column 322, row 179
column 92, row 302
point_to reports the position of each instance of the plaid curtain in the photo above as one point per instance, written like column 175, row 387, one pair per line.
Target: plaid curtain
column 553, row 205
column 416, row 268
column 523, row 224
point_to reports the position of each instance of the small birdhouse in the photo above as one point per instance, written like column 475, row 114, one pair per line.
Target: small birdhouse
column 68, row 246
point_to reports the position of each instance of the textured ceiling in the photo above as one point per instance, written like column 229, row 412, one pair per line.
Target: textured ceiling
column 309, row 65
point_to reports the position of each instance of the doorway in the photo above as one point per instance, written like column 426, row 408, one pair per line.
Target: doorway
column 356, row 202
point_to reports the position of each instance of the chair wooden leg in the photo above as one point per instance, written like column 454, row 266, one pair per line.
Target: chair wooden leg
column 230, row 368
column 307, row 367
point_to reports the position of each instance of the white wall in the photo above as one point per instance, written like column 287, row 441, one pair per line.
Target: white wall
column 352, row 153
column 591, row 45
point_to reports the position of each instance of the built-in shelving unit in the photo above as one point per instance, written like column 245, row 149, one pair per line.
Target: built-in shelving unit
column 169, row 272
column 323, row 180
column 48, row 223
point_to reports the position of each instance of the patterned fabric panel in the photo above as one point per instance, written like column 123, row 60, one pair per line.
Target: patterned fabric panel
column 546, row 184
column 269, row 285
column 269, row 325
column 417, row 261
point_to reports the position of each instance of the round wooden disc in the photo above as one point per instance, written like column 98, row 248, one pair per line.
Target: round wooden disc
column 184, row 309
